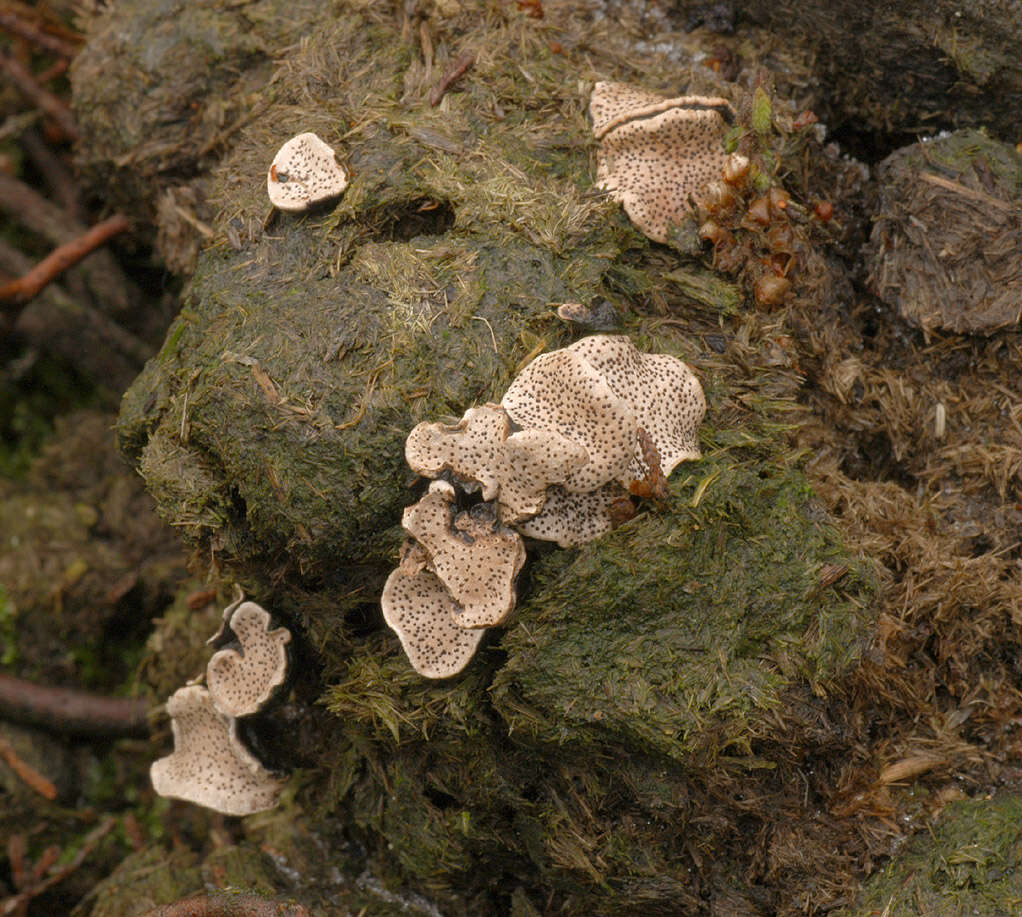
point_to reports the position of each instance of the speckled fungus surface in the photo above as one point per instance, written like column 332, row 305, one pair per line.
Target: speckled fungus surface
column 209, row 765
column 241, row 681
column 475, row 557
column 575, row 431
column 482, row 453
column 655, row 153
column 304, row 172
column 420, row 610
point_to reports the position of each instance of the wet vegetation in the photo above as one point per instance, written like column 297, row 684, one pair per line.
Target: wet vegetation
column 790, row 687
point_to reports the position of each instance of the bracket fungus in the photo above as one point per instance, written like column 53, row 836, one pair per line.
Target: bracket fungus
column 553, row 461
column 475, row 558
column 242, row 681
column 420, row 610
column 304, row 172
column 656, row 153
column 209, row 765
column 482, row 453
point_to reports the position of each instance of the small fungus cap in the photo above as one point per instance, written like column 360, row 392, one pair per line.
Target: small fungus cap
column 560, row 392
column 304, row 172
column 656, row 153
column 475, row 558
column 573, row 519
column 666, row 396
column 419, row 609
column 242, row 681
column 209, row 765
column 511, row 468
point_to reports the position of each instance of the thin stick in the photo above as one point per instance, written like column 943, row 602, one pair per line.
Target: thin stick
column 15, row 902
column 26, row 772
column 60, row 259
column 17, row 26
column 228, row 904
column 47, row 101
column 113, row 292
column 451, row 76
column 70, row 711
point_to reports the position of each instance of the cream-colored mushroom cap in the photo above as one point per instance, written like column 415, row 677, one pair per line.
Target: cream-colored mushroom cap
column 511, row 468
column 242, row 682
column 209, row 766
column 562, row 393
column 475, row 558
column 304, row 172
column 656, row 153
column 419, row 609
column 666, row 396
column 572, row 519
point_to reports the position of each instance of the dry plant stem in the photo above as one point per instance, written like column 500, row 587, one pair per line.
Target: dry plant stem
column 451, row 76
column 46, row 101
column 82, row 336
column 17, row 903
column 112, row 289
column 225, row 904
column 60, row 259
column 11, row 22
column 26, row 772
column 69, row 711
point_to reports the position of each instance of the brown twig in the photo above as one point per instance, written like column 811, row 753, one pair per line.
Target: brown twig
column 22, row 77
column 452, row 74
column 70, row 711
column 60, row 259
column 16, row 903
column 113, row 291
column 18, row 26
column 229, row 904
column 26, row 772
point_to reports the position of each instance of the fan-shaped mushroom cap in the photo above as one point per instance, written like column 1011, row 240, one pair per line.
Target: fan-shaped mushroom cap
column 420, row 610
column 242, row 682
column 514, row 469
column 656, row 153
column 304, row 172
column 562, row 393
column 476, row 559
column 572, row 519
column 209, row 766
column 667, row 398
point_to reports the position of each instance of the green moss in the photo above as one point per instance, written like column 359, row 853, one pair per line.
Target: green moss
column 680, row 629
column 970, row 863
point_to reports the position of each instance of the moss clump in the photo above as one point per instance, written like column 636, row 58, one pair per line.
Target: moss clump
column 680, row 629
column 970, row 863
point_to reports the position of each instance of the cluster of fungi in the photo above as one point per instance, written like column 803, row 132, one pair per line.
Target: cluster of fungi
column 578, row 430
column 210, row 764
column 665, row 161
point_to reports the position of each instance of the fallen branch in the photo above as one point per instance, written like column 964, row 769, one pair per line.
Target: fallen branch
column 229, row 904
column 60, row 259
column 451, row 76
column 22, row 77
column 67, row 710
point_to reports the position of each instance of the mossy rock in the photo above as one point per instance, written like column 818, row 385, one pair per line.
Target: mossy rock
column 969, row 863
